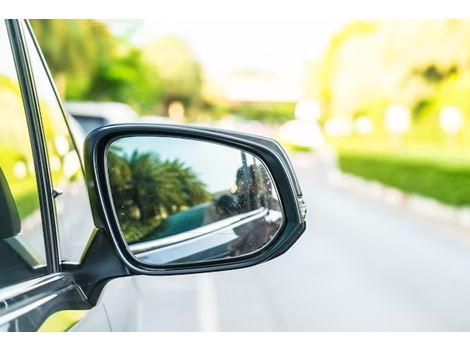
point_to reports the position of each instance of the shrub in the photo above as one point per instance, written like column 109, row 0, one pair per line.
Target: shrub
column 444, row 181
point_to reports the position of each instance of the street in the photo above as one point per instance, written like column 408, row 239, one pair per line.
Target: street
column 360, row 266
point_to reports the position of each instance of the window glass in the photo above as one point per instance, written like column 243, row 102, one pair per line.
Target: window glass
column 72, row 206
column 22, row 250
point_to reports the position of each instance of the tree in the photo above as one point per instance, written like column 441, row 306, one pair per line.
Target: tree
column 89, row 63
column 146, row 190
column 180, row 73
column 73, row 50
column 328, row 69
column 127, row 78
column 370, row 64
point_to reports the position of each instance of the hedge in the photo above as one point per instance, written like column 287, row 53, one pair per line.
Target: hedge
column 444, row 181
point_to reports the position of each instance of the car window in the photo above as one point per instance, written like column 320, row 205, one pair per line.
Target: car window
column 22, row 249
column 72, row 206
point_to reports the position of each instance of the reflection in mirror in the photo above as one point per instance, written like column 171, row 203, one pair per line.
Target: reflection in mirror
column 182, row 201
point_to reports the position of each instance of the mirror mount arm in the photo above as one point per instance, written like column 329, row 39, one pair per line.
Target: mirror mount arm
column 98, row 266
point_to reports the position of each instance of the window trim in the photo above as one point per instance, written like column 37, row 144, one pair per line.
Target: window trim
column 41, row 162
column 35, row 49
column 65, row 115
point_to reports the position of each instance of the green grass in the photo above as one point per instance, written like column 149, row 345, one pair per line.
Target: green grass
column 432, row 172
column 296, row 148
column 25, row 194
column 27, row 203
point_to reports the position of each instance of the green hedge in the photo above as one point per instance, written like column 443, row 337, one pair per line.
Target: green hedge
column 275, row 113
column 444, row 181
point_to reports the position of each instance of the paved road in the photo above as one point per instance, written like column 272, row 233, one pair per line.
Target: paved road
column 361, row 265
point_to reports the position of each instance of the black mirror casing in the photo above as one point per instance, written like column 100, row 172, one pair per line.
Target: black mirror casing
column 10, row 222
column 271, row 153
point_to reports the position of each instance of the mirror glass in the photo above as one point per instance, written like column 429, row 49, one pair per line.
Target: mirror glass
column 182, row 201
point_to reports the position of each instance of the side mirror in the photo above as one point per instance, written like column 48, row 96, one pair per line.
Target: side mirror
column 178, row 199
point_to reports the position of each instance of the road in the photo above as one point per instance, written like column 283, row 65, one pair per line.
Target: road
column 360, row 266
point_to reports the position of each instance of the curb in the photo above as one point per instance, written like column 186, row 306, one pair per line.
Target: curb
column 415, row 203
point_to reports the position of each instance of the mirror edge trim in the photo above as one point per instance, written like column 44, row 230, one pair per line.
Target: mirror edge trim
column 96, row 143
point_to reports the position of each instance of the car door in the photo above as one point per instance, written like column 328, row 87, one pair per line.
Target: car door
column 61, row 239
column 33, row 283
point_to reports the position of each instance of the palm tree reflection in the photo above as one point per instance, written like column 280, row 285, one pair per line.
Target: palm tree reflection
column 147, row 190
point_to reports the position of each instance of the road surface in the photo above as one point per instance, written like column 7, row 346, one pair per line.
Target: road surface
column 360, row 266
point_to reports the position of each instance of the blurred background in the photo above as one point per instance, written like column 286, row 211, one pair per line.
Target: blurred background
column 376, row 118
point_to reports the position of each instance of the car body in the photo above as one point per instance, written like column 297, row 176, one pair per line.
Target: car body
column 87, row 116
column 70, row 225
column 92, row 115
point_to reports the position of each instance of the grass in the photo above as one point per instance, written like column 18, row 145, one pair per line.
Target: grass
column 441, row 173
column 296, row 148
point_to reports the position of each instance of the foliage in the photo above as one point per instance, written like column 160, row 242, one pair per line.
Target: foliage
column 330, row 63
column 180, row 73
column 15, row 149
column 371, row 64
column 147, row 190
column 295, row 148
column 88, row 63
column 444, row 180
column 421, row 64
column 74, row 50
column 266, row 112
column 128, row 78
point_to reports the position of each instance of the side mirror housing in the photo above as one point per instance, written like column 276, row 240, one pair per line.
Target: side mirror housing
column 10, row 223
column 178, row 199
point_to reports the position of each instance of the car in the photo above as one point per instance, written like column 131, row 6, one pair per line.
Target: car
column 86, row 116
column 142, row 199
column 156, row 119
column 91, row 115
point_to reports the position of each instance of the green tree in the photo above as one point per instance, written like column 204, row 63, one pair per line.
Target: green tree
column 180, row 72
column 127, row 78
column 89, row 63
column 73, row 51
column 146, row 190
column 371, row 64
column 162, row 188
column 326, row 75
